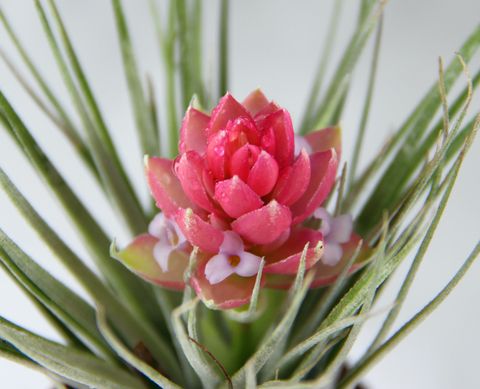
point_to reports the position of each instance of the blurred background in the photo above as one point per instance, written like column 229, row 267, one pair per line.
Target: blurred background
column 275, row 45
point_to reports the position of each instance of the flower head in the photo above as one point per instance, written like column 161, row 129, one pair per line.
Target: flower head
column 231, row 259
column 170, row 238
column 240, row 189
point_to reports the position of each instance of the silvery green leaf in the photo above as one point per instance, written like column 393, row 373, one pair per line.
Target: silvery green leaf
column 67, row 362
column 128, row 356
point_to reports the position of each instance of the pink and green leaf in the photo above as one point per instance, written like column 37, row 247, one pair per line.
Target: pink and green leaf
column 138, row 257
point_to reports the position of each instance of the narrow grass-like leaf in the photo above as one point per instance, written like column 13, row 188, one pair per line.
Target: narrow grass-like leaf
column 131, row 289
column 274, row 339
column 377, row 162
column 293, row 383
column 319, row 336
column 330, row 107
column 58, row 326
column 184, row 52
column 196, row 54
column 204, row 371
column 10, row 353
column 145, row 127
column 327, row 376
column 128, row 326
column 408, row 198
column 250, row 378
column 70, row 308
column 395, row 176
column 320, row 309
column 164, row 298
column 195, row 352
column 341, row 189
column 368, row 101
column 402, row 294
column 365, row 364
column 66, row 361
column 128, row 356
column 281, row 344
column 73, row 137
column 223, row 48
column 459, row 140
column 113, row 173
column 69, row 128
column 153, row 111
column 166, row 41
column 251, row 313
column 202, row 351
column 371, row 284
column 328, row 45
column 325, row 108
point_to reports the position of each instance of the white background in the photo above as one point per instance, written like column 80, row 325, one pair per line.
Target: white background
column 275, row 45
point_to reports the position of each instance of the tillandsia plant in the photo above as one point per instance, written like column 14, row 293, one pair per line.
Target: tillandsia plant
column 261, row 255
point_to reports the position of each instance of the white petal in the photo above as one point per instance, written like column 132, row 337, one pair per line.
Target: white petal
column 218, row 268
column 301, row 143
column 161, row 253
column 332, row 253
column 157, row 225
column 248, row 265
column 232, row 243
column 326, row 218
column 341, row 228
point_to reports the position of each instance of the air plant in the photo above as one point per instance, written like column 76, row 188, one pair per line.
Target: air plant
column 259, row 260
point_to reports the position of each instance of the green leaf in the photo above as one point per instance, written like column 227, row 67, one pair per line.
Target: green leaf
column 394, row 256
column 167, row 301
column 132, row 290
column 407, row 158
column 371, row 284
column 223, row 48
column 204, row 371
column 294, row 384
column 404, row 289
column 63, row 331
column 65, row 128
column 128, row 356
column 9, row 352
column 365, row 364
column 72, row 310
column 91, row 283
column 196, row 56
column 281, row 344
column 320, row 309
column 328, row 45
column 68, row 362
column 64, row 122
column 366, row 107
column 319, row 336
column 145, row 127
column 102, row 147
column 325, row 108
column 166, row 42
column 184, row 53
column 249, row 315
column 276, row 338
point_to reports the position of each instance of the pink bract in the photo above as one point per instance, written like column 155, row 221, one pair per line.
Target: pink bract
column 237, row 170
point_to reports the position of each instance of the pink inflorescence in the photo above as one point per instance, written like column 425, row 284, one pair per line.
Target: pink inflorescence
column 239, row 190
